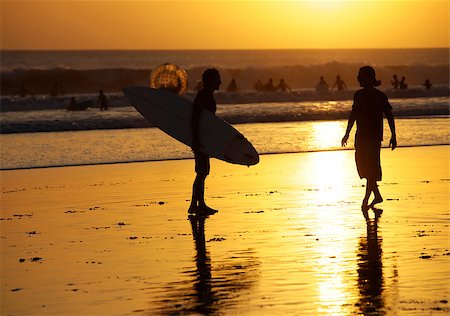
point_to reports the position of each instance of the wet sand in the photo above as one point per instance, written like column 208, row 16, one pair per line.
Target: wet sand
column 289, row 238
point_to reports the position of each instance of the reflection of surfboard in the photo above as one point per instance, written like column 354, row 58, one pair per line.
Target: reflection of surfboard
column 172, row 114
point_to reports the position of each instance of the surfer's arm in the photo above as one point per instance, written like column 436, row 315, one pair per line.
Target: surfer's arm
column 351, row 122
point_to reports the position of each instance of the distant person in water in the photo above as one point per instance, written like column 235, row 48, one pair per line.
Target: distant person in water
column 402, row 84
column 204, row 101
column 395, row 82
column 258, row 85
column 427, row 84
column 322, row 85
column 102, row 101
column 232, row 87
column 22, row 92
column 369, row 104
column 339, row 84
column 269, row 86
column 56, row 90
column 199, row 86
column 282, row 86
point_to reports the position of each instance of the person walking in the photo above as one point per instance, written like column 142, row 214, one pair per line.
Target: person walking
column 368, row 107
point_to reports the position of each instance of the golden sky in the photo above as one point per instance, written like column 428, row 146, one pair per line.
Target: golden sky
column 250, row 24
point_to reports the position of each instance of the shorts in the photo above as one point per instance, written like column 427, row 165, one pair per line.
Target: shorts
column 367, row 156
column 202, row 165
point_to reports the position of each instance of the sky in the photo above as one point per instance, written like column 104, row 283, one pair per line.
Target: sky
column 147, row 24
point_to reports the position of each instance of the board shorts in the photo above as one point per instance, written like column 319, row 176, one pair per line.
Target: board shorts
column 367, row 157
column 202, row 165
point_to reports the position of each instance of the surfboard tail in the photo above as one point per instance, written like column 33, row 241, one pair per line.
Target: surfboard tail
column 241, row 151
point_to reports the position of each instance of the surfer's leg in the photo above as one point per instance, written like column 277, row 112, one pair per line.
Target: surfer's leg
column 198, row 193
column 367, row 194
column 377, row 195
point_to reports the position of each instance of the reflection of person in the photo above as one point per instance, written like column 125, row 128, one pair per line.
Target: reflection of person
column 340, row 84
column 268, row 86
column 282, row 86
column 402, row 84
column 427, row 84
column 22, row 92
column 232, row 87
column 395, row 82
column 203, row 286
column 102, row 101
column 370, row 270
column 322, row 85
column 204, row 101
column 368, row 107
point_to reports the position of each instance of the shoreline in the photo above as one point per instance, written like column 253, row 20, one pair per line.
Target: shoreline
column 191, row 158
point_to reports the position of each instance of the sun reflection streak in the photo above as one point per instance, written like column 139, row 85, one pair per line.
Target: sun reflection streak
column 335, row 265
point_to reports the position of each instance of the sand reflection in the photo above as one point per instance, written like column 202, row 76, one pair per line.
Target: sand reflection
column 370, row 271
column 214, row 285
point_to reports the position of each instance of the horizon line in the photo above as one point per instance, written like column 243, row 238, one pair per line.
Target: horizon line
column 207, row 49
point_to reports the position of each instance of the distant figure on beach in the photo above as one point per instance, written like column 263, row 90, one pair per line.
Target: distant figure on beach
column 102, row 101
column 369, row 104
column 73, row 106
column 282, row 86
column 395, row 82
column 232, row 87
column 269, row 86
column 339, row 84
column 56, row 90
column 204, row 101
column 402, row 84
column 258, row 85
column 322, row 85
column 427, row 84
column 199, row 86
column 22, row 92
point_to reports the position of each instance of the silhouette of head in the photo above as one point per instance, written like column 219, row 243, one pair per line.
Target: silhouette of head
column 367, row 77
column 211, row 79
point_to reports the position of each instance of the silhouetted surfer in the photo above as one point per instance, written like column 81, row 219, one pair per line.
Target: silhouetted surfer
column 232, row 87
column 102, row 101
column 204, row 101
column 322, row 85
column 368, row 107
column 339, row 84
column 282, row 86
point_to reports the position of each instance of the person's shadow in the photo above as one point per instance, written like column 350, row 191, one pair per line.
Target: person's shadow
column 370, row 270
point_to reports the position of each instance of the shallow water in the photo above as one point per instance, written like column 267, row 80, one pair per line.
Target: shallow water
column 130, row 145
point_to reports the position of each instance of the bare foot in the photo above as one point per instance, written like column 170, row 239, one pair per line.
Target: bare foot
column 205, row 210
column 376, row 200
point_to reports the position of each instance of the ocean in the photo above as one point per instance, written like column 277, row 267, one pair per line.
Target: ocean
column 38, row 131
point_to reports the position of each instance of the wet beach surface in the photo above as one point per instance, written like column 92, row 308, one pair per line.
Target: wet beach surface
column 289, row 238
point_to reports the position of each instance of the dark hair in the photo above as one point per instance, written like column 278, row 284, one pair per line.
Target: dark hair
column 210, row 74
column 367, row 75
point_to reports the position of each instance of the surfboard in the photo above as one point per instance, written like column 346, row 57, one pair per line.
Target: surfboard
column 172, row 114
